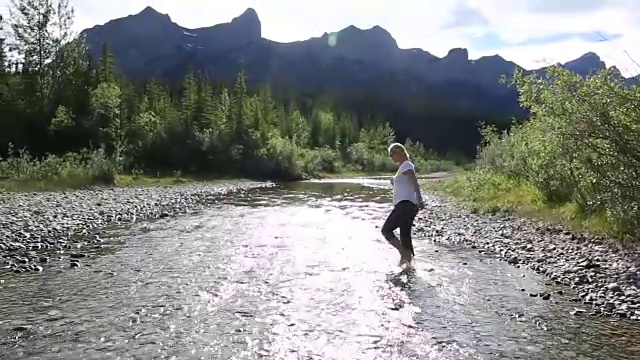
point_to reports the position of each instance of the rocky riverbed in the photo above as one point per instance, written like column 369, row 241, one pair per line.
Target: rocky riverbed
column 35, row 227
column 295, row 270
column 604, row 275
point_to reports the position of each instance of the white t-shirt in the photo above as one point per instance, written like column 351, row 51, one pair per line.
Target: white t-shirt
column 402, row 187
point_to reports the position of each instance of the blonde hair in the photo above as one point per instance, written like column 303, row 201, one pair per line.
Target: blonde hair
column 398, row 146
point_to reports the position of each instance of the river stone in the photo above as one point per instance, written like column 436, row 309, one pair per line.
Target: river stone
column 54, row 222
column 597, row 269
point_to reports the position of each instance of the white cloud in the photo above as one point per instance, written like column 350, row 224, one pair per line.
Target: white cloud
column 417, row 23
column 621, row 52
column 517, row 23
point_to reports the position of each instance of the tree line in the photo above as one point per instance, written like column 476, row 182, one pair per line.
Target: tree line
column 66, row 114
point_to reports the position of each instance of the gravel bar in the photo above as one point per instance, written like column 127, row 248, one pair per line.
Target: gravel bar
column 604, row 275
column 37, row 226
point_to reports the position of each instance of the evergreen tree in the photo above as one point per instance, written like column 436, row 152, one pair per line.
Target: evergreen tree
column 59, row 100
column 3, row 54
column 106, row 69
column 39, row 29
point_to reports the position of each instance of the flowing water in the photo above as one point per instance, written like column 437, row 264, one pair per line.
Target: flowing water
column 297, row 271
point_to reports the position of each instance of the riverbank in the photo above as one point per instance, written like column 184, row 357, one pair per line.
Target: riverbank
column 35, row 227
column 512, row 226
column 352, row 174
column 127, row 181
column 21, row 186
column 497, row 194
column 64, row 223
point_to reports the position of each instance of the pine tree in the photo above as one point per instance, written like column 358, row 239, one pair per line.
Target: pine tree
column 189, row 101
column 206, row 108
column 240, row 100
column 39, row 30
column 3, row 54
column 106, row 69
column 3, row 77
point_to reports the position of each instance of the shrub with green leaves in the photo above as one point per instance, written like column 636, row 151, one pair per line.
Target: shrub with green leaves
column 581, row 144
column 74, row 169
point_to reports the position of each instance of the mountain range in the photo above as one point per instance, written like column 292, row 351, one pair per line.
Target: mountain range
column 363, row 68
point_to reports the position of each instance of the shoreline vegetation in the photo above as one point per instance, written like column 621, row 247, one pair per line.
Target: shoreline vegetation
column 497, row 194
column 28, row 175
column 576, row 162
column 24, row 173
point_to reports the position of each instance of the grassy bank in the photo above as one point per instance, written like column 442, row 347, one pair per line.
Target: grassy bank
column 485, row 192
column 57, row 184
column 54, row 184
column 22, row 172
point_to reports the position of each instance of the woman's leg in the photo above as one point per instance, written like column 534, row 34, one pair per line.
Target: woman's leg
column 389, row 226
column 408, row 212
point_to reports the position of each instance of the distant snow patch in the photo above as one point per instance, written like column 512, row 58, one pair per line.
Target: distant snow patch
column 188, row 33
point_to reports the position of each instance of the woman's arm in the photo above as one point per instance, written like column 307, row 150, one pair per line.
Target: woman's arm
column 411, row 174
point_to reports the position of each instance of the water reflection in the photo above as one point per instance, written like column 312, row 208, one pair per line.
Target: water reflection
column 297, row 271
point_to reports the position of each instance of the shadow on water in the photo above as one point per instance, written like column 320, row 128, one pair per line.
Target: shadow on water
column 297, row 271
column 405, row 280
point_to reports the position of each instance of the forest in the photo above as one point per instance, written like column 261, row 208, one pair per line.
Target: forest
column 70, row 119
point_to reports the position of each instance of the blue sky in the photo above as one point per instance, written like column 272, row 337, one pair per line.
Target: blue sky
column 532, row 33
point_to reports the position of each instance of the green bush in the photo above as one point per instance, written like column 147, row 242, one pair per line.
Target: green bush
column 581, row 146
column 69, row 170
column 322, row 160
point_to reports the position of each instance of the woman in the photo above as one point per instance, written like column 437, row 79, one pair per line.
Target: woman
column 407, row 200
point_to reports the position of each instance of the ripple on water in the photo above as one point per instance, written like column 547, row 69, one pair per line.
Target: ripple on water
column 292, row 272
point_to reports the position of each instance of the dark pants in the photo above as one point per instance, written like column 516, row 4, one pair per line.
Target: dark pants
column 402, row 217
